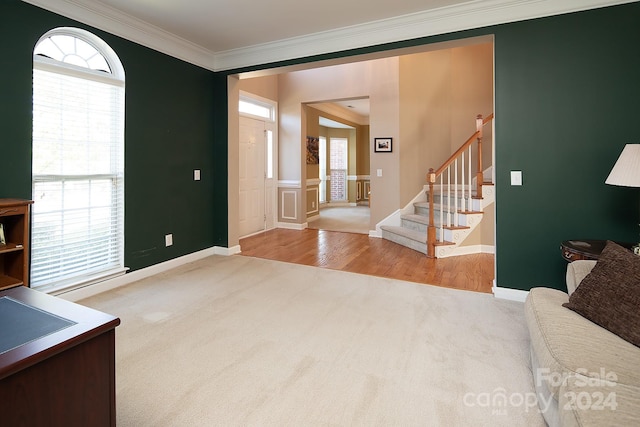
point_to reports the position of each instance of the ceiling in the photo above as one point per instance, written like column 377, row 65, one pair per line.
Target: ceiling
column 232, row 34
column 221, row 25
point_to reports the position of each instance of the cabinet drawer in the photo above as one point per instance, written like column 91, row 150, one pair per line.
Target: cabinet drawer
column 13, row 210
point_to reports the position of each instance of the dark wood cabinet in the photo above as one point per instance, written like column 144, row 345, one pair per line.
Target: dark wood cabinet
column 57, row 362
column 14, row 242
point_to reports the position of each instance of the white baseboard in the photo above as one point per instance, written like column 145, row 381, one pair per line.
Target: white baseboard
column 293, row 226
column 375, row 233
column 134, row 276
column 510, row 294
column 473, row 249
column 227, row 251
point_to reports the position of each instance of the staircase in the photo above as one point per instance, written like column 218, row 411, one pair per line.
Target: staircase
column 412, row 231
column 439, row 219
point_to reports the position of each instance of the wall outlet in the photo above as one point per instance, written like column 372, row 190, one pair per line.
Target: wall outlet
column 313, row 205
column 196, row 174
column 168, row 239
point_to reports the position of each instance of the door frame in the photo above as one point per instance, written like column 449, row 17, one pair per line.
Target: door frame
column 271, row 183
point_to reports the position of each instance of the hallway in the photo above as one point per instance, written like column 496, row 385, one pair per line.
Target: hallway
column 359, row 253
column 351, row 219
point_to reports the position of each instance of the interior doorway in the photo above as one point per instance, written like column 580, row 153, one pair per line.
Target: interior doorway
column 342, row 126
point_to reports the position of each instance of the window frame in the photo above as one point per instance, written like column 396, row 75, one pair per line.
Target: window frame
column 115, row 78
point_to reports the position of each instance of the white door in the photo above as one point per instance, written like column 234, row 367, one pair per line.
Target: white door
column 252, row 176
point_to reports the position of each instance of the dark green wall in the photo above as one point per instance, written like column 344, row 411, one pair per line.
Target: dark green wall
column 567, row 91
column 170, row 116
column 566, row 104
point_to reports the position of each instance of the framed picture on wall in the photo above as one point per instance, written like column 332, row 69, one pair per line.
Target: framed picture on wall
column 382, row 145
column 313, row 152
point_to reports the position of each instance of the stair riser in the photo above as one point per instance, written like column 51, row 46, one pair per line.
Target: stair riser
column 401, row 240
column 476, row 204
column 436, row 216
column 412, row 225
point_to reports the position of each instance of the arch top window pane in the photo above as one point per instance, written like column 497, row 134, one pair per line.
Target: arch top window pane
column 72, row 50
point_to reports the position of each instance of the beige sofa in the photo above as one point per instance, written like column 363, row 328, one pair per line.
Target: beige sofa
column 584, row 374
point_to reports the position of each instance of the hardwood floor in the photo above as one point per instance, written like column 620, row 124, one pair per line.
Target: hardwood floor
column 359, row 253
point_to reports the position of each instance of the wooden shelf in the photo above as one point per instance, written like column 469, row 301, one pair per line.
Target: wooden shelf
column 14, row 254
column 10, row 247
column 7, row 282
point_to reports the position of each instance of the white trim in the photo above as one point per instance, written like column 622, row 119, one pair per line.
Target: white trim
column 464, row 16
column 233, row 250
column 510, row 294
column 315, row 199
column 107, row 285
column 293, row 225
column 363, row 177
column 338, row 204
column 352, row 177
column 472, row 249
column 117, row 75
column 114, row 21
column 289, row 183
column 295, row 204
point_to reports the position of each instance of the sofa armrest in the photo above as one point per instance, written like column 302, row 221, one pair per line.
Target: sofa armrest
column 576, row 271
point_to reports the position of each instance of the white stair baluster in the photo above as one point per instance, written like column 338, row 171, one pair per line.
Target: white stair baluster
column 448, row 196
column 441, row 205
column 462, row 200
column 469, row 204
column 455, row 189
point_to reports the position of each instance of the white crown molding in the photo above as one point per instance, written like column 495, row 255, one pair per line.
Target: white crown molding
column 473, row 14
column 120, row 24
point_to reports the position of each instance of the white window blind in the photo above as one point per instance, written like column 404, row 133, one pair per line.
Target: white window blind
column 78, row 177
column 338, row 168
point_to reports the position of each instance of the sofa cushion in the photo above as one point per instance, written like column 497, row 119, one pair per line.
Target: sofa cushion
column 566, row 343
column 594, row 403
column 610, row 294
column 576, row 271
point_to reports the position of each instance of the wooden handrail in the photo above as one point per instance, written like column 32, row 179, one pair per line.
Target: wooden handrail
column 459, row 151
column 464, row 146
column 433, row 175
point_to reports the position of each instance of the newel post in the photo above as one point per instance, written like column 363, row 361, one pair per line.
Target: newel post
column 479, row 174
column 431, row 229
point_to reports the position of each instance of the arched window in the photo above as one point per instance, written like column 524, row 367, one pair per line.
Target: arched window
column 78, row 161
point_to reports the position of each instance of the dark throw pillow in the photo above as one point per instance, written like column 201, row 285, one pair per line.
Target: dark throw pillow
column 610, row 294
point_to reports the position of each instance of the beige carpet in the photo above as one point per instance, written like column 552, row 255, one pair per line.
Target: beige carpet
column 351, row 219
column 240, row 341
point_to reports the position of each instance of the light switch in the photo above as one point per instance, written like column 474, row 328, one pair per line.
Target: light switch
column 196, row 174
column 379, row 171
column 516, row 177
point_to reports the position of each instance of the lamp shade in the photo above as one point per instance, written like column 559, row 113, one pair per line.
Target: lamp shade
column 626, row 171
